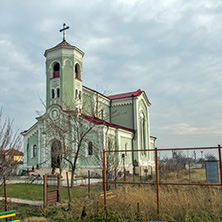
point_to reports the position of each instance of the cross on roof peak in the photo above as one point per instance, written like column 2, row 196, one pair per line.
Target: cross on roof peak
column 64, row 31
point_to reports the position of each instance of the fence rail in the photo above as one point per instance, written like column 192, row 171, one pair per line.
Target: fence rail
column 198, row 166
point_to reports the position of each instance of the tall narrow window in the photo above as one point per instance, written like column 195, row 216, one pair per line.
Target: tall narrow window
column 56, row 70
column 53, row 93
column 77, row 71
column 90, row 148
column 58, row 92
column 76, row 93
column 126, row 148
column 34, row 151
column 142, row 132
column 80, row 95
column 27, row 151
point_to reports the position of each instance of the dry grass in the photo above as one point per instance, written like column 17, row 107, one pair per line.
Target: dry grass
column 136, row 203
column 193, row 176
column 139, row 204
column 35, row 219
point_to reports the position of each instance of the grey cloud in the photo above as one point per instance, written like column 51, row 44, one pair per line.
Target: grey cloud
column 170, row 49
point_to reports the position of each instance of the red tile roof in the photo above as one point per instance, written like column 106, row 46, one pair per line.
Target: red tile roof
column 63, row 43
column 66, row 44
column 125, row 95
column 12, row 152
column 98, row 121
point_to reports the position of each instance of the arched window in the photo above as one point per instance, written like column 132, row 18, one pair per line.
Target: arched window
column 77, row 71
column 76, row 93
column 34, row 152
column 53, row 93
column 27, row 150
column 58, row 92
column 80, row 95
column 90, row 148
column 56, row 70
column 126, row 148
column 143, row 132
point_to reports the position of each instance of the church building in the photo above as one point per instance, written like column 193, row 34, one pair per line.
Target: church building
column 83, row 122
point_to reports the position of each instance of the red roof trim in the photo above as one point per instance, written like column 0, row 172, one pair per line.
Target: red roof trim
column 93, row 120
column 126, row 95
column 25, row 131
column 98, row 121
column 64, row 44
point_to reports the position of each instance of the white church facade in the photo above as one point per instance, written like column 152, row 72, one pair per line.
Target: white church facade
column 77, row 117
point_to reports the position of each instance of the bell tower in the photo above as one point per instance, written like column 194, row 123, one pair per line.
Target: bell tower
column 64, row 75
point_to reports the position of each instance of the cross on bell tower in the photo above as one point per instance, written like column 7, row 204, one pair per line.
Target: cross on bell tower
column 64, row 31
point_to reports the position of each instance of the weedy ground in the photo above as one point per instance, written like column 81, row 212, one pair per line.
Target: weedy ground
column 134, row 203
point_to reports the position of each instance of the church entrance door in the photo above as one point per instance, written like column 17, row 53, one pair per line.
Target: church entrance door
column 56, row 154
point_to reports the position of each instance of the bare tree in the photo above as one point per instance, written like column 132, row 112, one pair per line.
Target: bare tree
column 70, row 131
column 10, row 142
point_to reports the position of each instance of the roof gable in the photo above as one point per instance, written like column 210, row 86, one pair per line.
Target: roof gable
column 125, row 95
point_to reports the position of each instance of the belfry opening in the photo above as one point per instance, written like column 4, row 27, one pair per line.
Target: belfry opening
column 56, row 70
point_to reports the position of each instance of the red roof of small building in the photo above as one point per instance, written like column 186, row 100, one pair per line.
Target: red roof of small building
column 12, row 152
column 125, row 95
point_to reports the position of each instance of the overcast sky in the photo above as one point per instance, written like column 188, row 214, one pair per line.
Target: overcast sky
column 171, row 49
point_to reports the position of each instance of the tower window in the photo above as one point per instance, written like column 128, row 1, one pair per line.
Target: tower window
column 53, row 93
column 90, row 148
column 80, row 95
column 58, row 92
column 77, row 71
column 56, row 70
column 76, row 93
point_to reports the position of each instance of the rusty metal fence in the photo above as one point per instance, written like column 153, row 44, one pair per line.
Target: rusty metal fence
column 199, row 166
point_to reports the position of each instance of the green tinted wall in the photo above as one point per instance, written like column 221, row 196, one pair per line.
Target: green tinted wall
column 122, row 115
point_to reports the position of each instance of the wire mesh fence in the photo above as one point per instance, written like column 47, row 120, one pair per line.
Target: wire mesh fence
column 200, row 166
column 189, row 166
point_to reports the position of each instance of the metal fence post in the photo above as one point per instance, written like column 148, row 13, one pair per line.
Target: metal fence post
column 220, row 165
column 59, row 188
column 89, row 184
column 5, row 190
column 104, row 175
column 157, row 182
column 45, row 190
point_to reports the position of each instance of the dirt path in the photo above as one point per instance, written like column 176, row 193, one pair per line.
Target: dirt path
column 21, row 201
